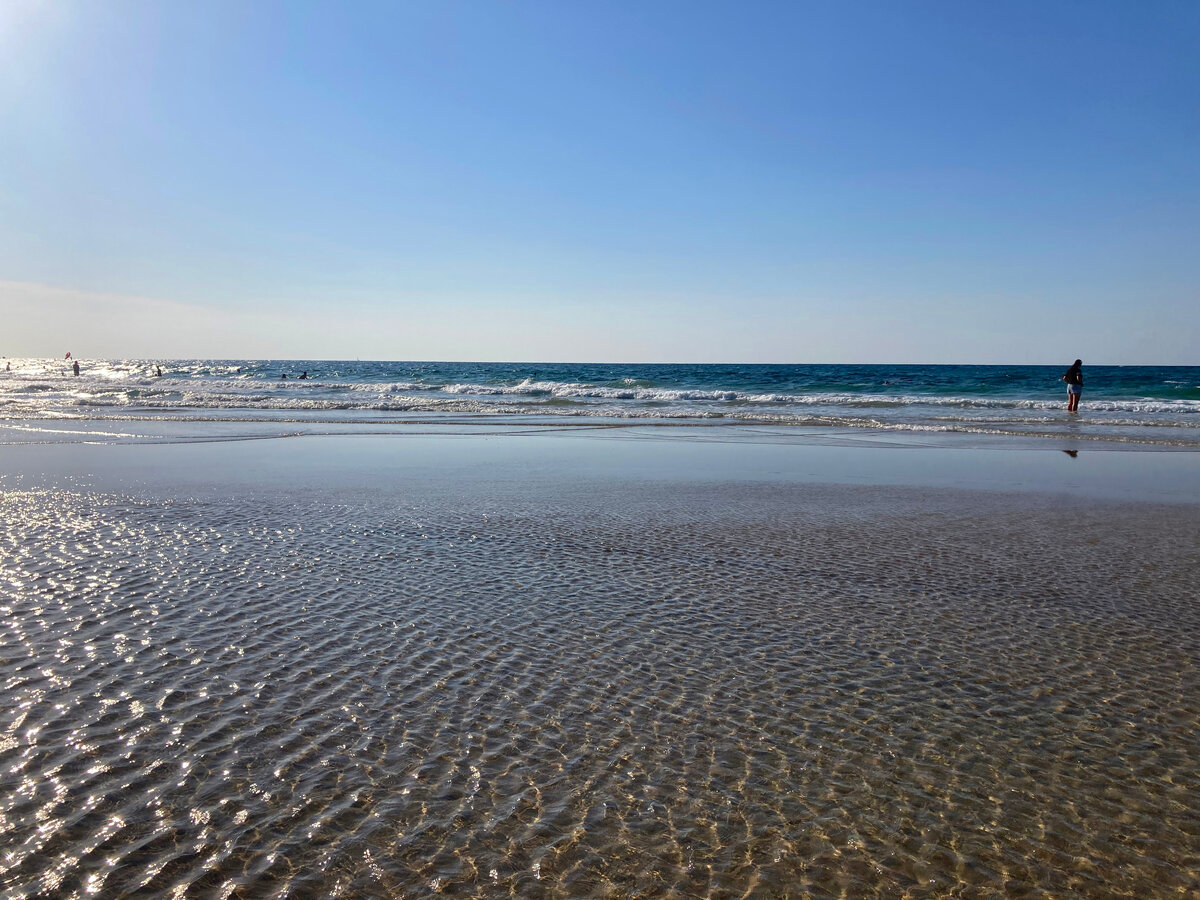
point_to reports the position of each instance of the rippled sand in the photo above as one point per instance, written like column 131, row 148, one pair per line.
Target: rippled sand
column 654, row 690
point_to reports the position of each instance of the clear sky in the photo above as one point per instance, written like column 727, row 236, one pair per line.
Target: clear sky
column 887, row 181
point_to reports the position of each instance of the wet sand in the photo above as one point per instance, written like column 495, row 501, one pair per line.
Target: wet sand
column 563, row 666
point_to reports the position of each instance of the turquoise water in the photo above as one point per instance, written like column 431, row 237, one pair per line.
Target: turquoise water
column 1135, row 404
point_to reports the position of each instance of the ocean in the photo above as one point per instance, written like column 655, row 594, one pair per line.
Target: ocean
column 1146, row 405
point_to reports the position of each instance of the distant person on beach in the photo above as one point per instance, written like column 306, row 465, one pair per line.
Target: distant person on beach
column 1074, row 379
column 76, row 367
column 158, row 371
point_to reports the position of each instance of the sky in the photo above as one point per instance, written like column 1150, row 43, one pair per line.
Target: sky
column 792, row 182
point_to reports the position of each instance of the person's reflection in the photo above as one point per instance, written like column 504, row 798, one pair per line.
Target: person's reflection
column 1071, row 453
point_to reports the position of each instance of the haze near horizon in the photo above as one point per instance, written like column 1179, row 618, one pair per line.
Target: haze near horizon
column 772, row 182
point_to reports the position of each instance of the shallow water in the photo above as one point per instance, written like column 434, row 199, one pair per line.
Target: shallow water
column 628, row 690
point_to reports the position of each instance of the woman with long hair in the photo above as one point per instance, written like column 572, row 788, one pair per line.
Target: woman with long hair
column 1074, row 379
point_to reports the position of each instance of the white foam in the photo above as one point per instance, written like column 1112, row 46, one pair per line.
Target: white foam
column 47, row 390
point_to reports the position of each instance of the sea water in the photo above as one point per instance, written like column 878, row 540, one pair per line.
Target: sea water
column 1146, row 405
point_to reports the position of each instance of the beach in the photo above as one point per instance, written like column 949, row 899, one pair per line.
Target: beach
column 593, row 662
column 599, row 452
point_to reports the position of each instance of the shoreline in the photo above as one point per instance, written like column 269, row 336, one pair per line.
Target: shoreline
column 1143, row 406
column 244, row 455
column 250, row 424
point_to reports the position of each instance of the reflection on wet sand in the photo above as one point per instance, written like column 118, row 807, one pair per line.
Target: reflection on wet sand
column 656, row 690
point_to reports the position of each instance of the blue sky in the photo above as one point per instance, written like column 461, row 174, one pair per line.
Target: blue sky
column 650, row 181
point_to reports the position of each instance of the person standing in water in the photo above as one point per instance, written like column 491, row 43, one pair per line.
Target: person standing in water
column 1074, row 379
column 76, row 367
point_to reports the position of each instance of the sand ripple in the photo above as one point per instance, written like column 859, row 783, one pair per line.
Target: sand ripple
column 653, row 692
